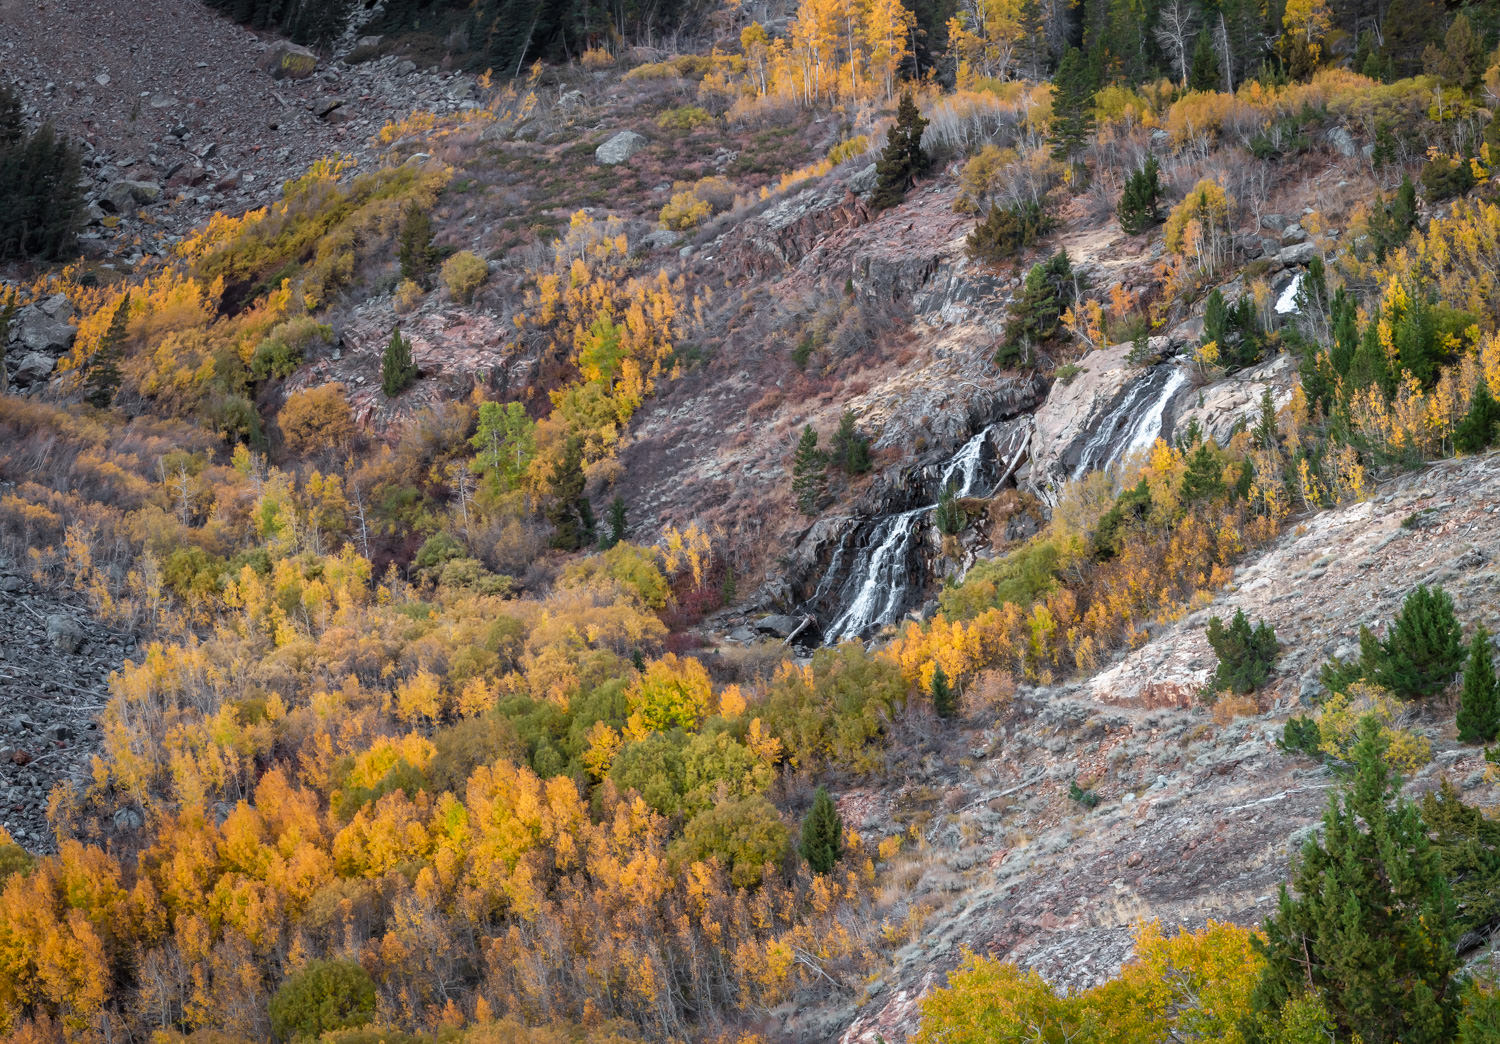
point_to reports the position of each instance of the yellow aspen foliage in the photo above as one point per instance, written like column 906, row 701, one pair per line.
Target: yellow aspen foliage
column 419, row 697
column 673, row 692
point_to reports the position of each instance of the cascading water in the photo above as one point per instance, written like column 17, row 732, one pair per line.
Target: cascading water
column 1135, row 422
column 886, row 573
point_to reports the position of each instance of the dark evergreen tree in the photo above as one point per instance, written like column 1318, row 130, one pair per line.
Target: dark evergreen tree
column 397, row 371
column 1370, row 930
column 1246, row 656
column 1424, row 648
column 1129, row 508
column 1391, row 222
column 1265, row 433
column 902, row 160
column 1459, row 61
column 102, row 377
column 1476, row 432
column 943, row 701
column 851, row 450
column 1409, row 26
column 809, row 473
column 1140, row 202
column 1468, row 846
column 1035, row 319
column 1204, row 478
column 569, row 511
column 41, row 189
column 1204, row 73
column 1073, row 89
column 616, row 520
column 1006, row 231
column 416, row 253
column 822, row 834
column 1478, row 702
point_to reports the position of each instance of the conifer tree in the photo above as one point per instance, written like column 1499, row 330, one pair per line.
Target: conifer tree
column 1204, row 74
column 1246, row 656
column 1370, row 930
column 902, row 160
column 1140, row 202
column 1204, row 478
column 416, row 253
column 1479, row 703
column 103, row 378
column 822, row 834
column 570, row 513
column 1265, row 434
column 809, row 478
column 943, row 701
column 1036, row 316
column 397, row 371
column 948, row 516
column 1073, row 89
column 616, row 519
column 1423, row 650
column 1475, row 433
column 851, row 450
column 1459, row 61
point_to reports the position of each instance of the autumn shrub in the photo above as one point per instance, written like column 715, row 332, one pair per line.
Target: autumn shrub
column 685, row 118
column 595, row 58
column 744, row 835
column 316, row 419
column 464, row 273
column 407, row 296
column 1407, row 751
column 1198, row 228
column 831, row 709
column 283, row 349
column 323, row 996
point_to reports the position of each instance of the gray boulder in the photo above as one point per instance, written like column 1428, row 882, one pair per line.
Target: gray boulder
column 777, row 625
column 289, row 62
column 124, row 196
column 1342, row 142
column 619, row 148
column 33, row 368
column 64, row 633
column 44, row 327
column 1297, row 254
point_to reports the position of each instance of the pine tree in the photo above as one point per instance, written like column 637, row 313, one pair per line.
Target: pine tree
column 616, row 520
column 822, row 834
column 1459, row 61
column 851, row 450
column 1036, row 315
column 1475, row 433
column 1140, row 202
column 1073, row 89
column 1204, row 74
column 1265, row 434
column 569, row 511
column 416, row 253
column 902, row 160
column 397, row 371
column 948, row 516
column 1479, row 702
column 103, row 376
column 943, row 701
column 1246, row 656
column 1424, row 648
column 1204, row 478
column 1370, row 931
column 809, row 477
column 1006, row 231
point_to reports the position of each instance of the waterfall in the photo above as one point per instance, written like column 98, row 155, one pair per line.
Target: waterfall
column 1133, row 424
column 883, row 560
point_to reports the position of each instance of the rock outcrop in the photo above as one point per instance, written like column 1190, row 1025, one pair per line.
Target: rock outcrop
column 619, row 148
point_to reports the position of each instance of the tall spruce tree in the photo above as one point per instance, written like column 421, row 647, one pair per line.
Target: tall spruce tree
column 102, row 378
column 943, row 701
column 1369, row 930
column 1073, row 89
column 415, row 252
column 1475, row 433
column 569, row 511
column 822, row 834
column 41, row 187
column 1479, row 702
column 397, row 371
column 1140, row 202
column 1204, row 477
column 809, row 472
column 1204, row 73
column 1424, row 648
column 902, row 160
column 851, row 450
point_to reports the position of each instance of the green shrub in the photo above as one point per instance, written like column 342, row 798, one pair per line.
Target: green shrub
column 685, row 118
column 1006, row 231
column 1246, row 656
column 325, row 995
column 1424, row 648
column 1085, row 796
column 1479, row 701
column 282, row 350
column 463, row 273
column 1301, row 735
column 1035, row 319
column 744, row 835
column 1140, row 202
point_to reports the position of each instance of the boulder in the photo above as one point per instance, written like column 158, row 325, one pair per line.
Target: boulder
column 1222, row 406
column 33, row 368
column 1342, row 142
column 778, row 625
column 38, row 330
column 619, row 148
column 326, row 106
column 124, row 196
column 660, row 239
column 1297, row 254
column 287, row 61
column 64, row 633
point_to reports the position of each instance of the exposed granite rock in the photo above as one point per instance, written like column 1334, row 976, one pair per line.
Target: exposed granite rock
column 619, row 148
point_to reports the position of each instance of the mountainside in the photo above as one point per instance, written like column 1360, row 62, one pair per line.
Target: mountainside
column 851, row 522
